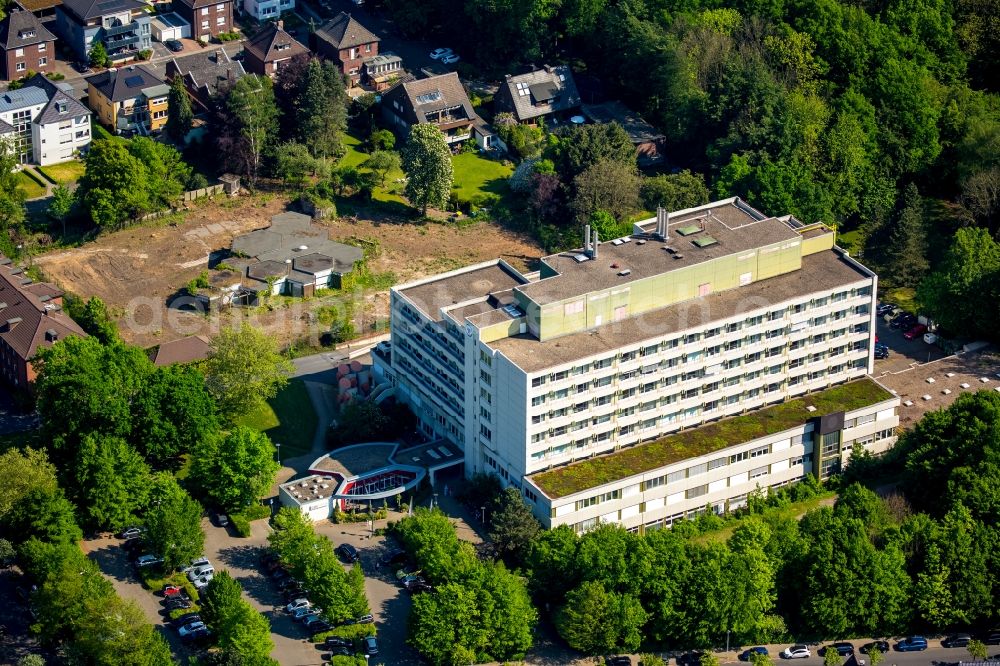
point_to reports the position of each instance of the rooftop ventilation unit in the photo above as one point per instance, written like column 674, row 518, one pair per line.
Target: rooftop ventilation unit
column 662, row 223
column 625, row 273
column 689, row 229
column 704, row 241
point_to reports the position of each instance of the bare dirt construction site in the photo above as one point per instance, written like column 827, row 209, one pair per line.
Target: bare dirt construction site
column 140, row 271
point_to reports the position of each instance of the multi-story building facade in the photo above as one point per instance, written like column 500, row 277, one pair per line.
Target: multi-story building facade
column 208, row 18
column 122, row 26
column 26, row 45
column 713, row 336
column 129, row 100
column 44, row 122
column 266, row 10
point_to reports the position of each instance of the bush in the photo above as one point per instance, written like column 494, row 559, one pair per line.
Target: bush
column 241, row 525
column 144, row 54
column 351, row 631
column 197, row 181
column 228, row 36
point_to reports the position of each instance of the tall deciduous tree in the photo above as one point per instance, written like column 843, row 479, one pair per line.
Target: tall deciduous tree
column 173, row 522
column 237, row 469
column 955, row 291
column 23, row 470
column 61, row 205
column 12, row 197
column 594, row 620
column 585, row 145
column 250, row 125
column 111, row 481
column 219, row 600
column 180, row 116
column 606, row 185
column 244, row 370
column 428, row 168
column 381, row 162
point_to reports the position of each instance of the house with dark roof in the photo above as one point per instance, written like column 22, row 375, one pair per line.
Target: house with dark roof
column 26, row 44
column 648, row 140
column 185, row 350
column 270, row 49
column 543, row 92
column 207, row 17
column 439, row 100
column 206, row 74
column 129, row 100
column 45, row 123
column 44, row 10
column 346, row 42
column 121, row 25
column 31, row 318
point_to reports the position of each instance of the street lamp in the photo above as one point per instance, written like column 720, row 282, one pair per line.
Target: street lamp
column 434, row 501
column 483, row 509
column 277, row 451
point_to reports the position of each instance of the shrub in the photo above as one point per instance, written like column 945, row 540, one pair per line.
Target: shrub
column 144, row 54
column 351, row 631
column 241, row 525
column 228, row 36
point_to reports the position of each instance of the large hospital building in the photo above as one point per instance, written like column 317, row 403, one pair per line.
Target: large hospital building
column 648, row 378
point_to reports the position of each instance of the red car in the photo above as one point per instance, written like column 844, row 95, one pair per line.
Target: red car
column 915, row 332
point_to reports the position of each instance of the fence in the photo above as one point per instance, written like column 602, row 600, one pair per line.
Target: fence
column 210, row 191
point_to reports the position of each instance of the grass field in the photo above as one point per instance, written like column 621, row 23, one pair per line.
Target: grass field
column 31, row 189
column 475, row 174
column 289, row 419
column 901, row 296
column 65, row 172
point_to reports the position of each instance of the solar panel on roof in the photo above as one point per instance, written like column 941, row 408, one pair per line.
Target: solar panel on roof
column 427, row 98
column 133, row 81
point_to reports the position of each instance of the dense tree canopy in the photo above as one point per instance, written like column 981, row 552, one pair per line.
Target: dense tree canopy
column 427, row 164
column 244, row 370
column 236, row 469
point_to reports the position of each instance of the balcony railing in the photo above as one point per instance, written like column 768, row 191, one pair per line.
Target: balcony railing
column 121, row 29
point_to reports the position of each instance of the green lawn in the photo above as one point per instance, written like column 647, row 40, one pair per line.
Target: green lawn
column 65, row 172
column 475, row 174
column 793, row 510
column 289, row 419
column 31, row 188
column 354, row 156
column 901, row 296
column 703, row 440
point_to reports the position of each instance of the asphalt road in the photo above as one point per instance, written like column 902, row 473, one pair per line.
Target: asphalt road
column 935, row 654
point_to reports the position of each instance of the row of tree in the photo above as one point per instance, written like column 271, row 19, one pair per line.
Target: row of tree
column 479, row 610
column 74, row 606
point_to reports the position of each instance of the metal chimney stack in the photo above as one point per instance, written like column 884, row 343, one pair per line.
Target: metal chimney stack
column 593, row 245
column 662, row 221
column 586, row 242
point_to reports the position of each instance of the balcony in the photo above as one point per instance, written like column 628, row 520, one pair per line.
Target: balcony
column 121, row 29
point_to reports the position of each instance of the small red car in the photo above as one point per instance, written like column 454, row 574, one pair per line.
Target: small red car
column 915, row 332
column 172, row 591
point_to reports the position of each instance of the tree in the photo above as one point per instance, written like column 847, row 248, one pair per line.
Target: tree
column 381, row 163
column 382, row 139
column 219, row 600
column 976, row 648
column 428, row 168
column 294, row 163
column 93, row 317
column 61, row 205
column 585, row 145
column 113, row 631
column 237, row 469
column 23, row 470
column 250, row 125
column 594, row 620
column 244, row 370
column 173, row 523
column 245, row 636
column 12, row 197
column 98, row 55
column 875, row 656
column 512, row 526
column 831, row 657
column 180, row 116
column 675, row 191
column 322, row 109
column 43, row 513
column 111, row 481
column 907, row 250
column 606, row 185
column 172, row 414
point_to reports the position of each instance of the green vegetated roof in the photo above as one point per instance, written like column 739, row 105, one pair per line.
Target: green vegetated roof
column 576, row 477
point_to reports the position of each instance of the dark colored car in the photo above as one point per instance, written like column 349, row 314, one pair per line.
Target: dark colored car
column 957, row 641
column 620, row 660
column 881, row 351
column 884, row 309
column 174, row 45
column 395, row 556
column 842, row 648
column 336, row 641
column 133, row 547
column 219, row 519
column 690, row 658
column 348, row 553
column 177, row 603
column 186, row 619
column 904, row 321
column 318, row 627
column 418, row 586
column 340, row 651
column 881, row 646
column 288, row 583
column 745, row 655
column 912, row 644
column 82, row 67
column 992, row 637
column 371, row 645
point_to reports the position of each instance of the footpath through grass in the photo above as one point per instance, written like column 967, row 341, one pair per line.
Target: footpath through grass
column 288, row 419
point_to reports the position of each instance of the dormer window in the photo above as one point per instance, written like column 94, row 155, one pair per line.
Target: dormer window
column 61, row 107
column 25, row 34
column 282, row 47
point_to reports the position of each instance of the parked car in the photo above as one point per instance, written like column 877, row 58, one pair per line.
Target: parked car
column 451, row 59
column 690, row 658
column 439, row 53
column 881, row 646
column 130, row 533
column 881, row 351
column 992, row 637
column 337, row 641
column 82, row 67
column 348, row 553
column 297, row 604
column 133, row 546
column 904, row 321
column 371, row 645
column 200, row 571
column 287, row 583
column 884, row 308
column 148, row 560
column 745, row 655
column 318, row 627
column 418, row 586
column 302, row 613
column 364, row 619
column 912, row 644
column 930, row 338
column 915, row 332
column 174, row 591
column 189, row 629
column 177, row 603
column 202, row 583
column 796, row 652
column 340, row 651
column 842, row 648
column 311, row 620
column 174, row 45
column 394, row 556
column 619, row 660
column 197, row 564
column 198, row 634
column 219, row 519
column 187, row 619
column 956, row 641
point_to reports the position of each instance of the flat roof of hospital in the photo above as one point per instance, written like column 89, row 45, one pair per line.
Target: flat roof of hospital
column 821, row 271
column 459, row 287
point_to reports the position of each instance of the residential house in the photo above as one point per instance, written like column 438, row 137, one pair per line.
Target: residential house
column 129, row 100
column 647, row 139
column 550, row 91
column 121, row 25
column 207, row 17
column 31, row 317
column 439, row 100
column 27, row 46
column 44, row 10
column 346, row 42
column 271, row 49
column 206, row 74
column 382, row 72
column 44, row 121
column 185, row 350
column 264, row 10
